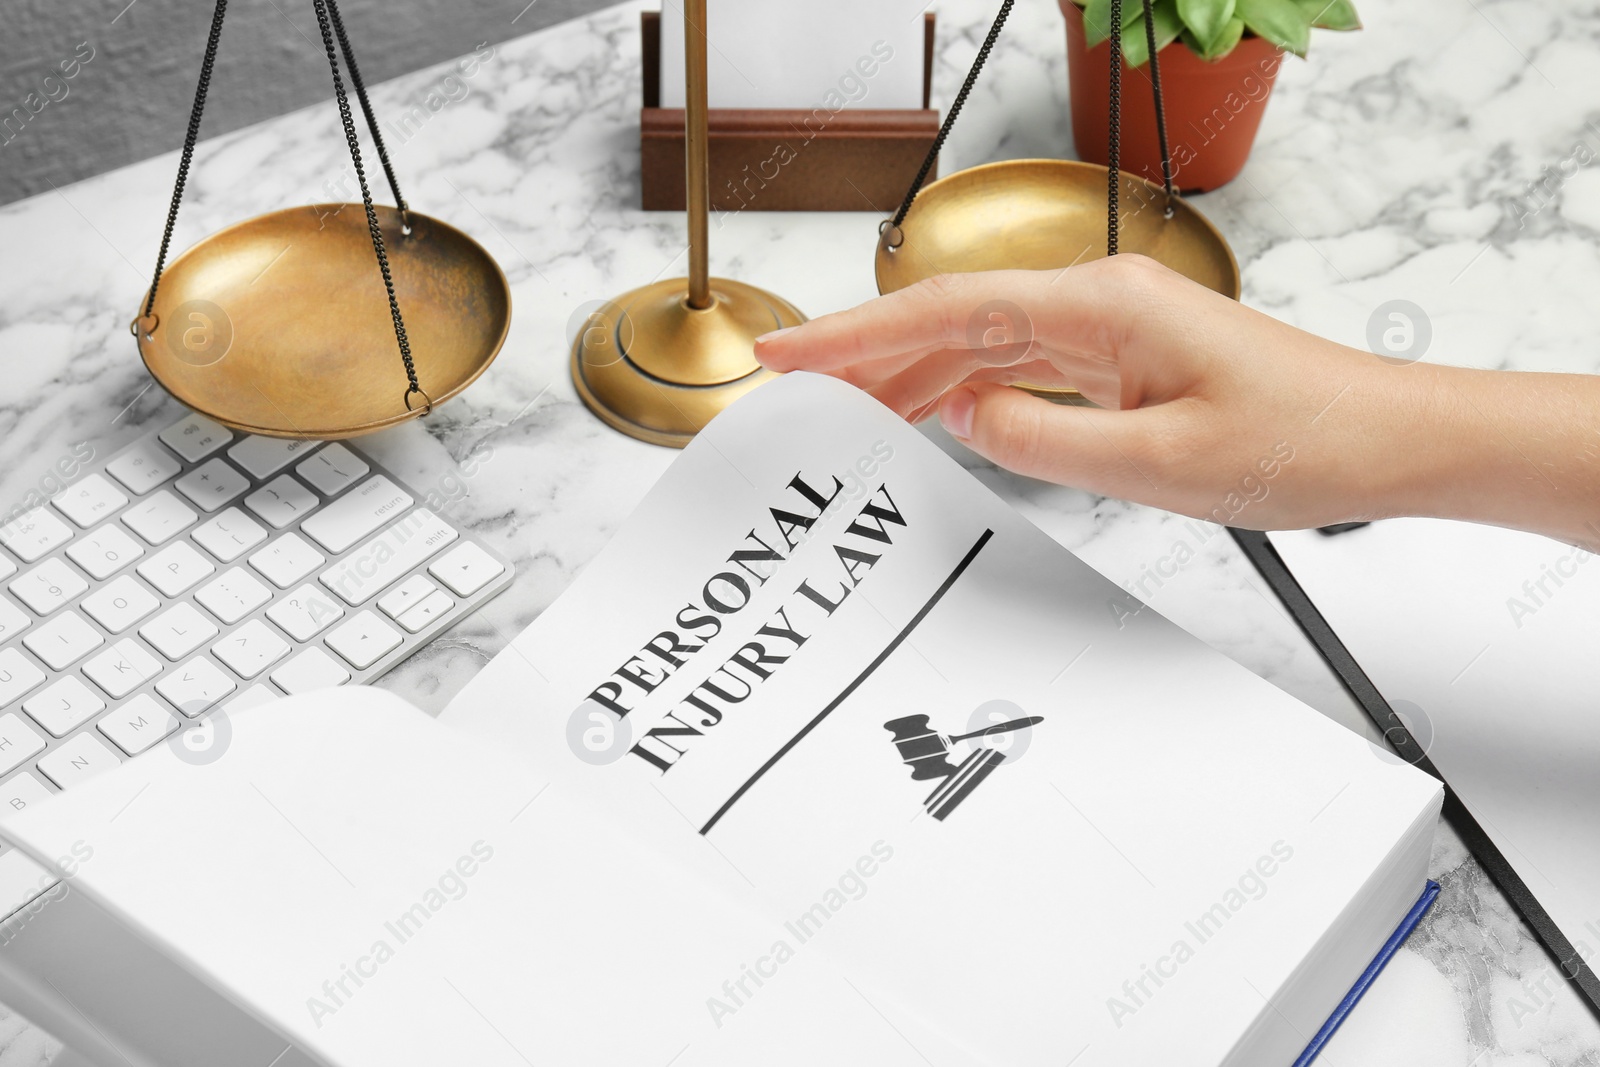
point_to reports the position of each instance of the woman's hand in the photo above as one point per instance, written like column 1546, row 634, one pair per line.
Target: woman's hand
column 1206, row 407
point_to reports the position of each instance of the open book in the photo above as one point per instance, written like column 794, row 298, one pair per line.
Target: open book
column 828, row 754
column 818, row 635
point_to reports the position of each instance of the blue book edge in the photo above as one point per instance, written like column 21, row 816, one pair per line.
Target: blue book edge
column 1430, row 893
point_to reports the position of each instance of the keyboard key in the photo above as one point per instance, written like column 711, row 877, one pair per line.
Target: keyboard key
column 159, row 517
column 120, row 603
column 212, row 484
column 332, row 470
column 33, row 533
column 367, row 571
column 13, row 620
column 178, row 631
column 63, row 705
column 82, row 757
column 265, row 456
column 195, row 686
column 281, row 501
column 21, row 792
column 364, row 639
column 89, row 500
column 408, row 594
column 466, row 568
column 287, row 560
column 21, row 879
column 48, row 586
column 18, row 675
column 436, row 606
column 143, row 467
column 175, row 568
column 311, row 669
column 63, row 640
column 253, row 697
column 18, row 741
column 7, row 568
column 196, row 437
column 305, row 613
column 357, row 514
column 138, row 724
column 122, row 668
column 105, row 551
column 233, row 595
column 229, row 535
column 251, row 649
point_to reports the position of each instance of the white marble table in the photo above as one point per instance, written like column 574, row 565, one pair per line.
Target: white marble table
column 1388, row 166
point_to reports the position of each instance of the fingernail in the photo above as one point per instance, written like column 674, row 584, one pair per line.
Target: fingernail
column 955, row 412
column 775, row 334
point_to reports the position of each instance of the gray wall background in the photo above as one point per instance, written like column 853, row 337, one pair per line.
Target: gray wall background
column 131, row 100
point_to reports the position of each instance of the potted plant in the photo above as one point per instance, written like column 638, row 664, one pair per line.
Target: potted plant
column 1214, row 84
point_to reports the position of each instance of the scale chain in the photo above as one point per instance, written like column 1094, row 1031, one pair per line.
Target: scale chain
column 326, row 10
column 955, row 109
column 1114, row 141
column 1161, row 111
column 189, row 139
column 366, row 109
column 348, row 121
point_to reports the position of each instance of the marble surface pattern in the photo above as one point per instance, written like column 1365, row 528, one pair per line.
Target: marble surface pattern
column 1395, row 163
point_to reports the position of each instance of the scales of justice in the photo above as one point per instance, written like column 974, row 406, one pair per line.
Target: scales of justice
column 301, row 333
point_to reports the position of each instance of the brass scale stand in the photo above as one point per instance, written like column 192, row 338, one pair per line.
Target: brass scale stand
column 295, row 353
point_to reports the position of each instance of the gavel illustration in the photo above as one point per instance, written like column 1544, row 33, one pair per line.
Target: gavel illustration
column 927, row 752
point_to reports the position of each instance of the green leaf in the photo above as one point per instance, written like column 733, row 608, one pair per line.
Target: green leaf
column 1168, row 22
column 1206, row 19
column 1331, row 14
column 1226, row 42
column 1097, row 19
column 1279, row 21
column 1135, row 48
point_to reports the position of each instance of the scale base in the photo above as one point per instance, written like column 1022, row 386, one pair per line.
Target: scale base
column 658, row 370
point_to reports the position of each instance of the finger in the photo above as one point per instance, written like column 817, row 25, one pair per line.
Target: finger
column 873, row 371
column 939, row 313
column 927, row 379
column 1106, row 452
column 914, row 389
column 1039, row 372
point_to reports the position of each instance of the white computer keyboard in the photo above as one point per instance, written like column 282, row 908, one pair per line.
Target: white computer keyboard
column 200, row 569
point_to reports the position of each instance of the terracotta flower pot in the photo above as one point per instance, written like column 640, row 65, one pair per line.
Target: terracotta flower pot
column 1213, row 109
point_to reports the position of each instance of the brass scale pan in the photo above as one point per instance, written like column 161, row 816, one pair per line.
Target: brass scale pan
column 1046, row 214
column 1043, row 214
column 280, row 325
column 324, row 321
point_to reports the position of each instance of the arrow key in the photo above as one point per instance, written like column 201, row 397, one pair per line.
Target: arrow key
column 364, row 639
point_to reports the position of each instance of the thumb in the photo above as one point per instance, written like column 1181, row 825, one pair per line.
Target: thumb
column 1105, row 452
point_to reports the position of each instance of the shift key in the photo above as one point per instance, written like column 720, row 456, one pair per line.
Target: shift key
column 373, row 567
column 356, row 514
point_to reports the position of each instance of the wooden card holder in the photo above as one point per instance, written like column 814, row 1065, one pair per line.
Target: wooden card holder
column 854, row 159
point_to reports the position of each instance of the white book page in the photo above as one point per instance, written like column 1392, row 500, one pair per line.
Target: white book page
column 1128, row 874
column 386, row 892
column 825, row 56
column 1483, row 640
